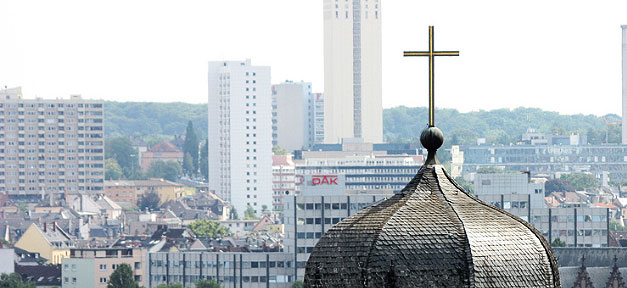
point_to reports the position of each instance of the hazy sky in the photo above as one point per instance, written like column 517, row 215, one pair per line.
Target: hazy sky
column 556, row 55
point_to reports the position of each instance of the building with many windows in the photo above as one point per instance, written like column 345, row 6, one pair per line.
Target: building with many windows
column 283, row 179
column 375, row 174
column 549, row 159
column 50, row 146
column 240, row 134
column 231, row 269
column 308, row 217
column 92, row 267
column 352, row 70
column 517, row 194
column 293, row 115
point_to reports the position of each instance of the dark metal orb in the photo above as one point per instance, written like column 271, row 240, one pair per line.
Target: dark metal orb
column 432, row 138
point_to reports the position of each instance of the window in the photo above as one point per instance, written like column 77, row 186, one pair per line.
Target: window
column 103, row 280
column 103, row 267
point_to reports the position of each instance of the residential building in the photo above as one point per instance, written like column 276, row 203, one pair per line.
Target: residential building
column 50, row 146
column 129, row 192
column 49, row 241
column 293, row 116
column 318, row 119
column 240, row 134
column 92, row 267
column 164, row 151
column 352, row 70
column 40, row 275
column 283, row 179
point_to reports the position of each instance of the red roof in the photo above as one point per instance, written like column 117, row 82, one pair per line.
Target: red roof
column 164, row 146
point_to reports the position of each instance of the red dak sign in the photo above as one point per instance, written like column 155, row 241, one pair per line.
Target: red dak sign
column 323, row 179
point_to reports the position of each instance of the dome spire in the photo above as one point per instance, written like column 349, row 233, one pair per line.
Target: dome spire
column 431, row 137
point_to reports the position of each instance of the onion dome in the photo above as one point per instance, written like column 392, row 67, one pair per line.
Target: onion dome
column 432, row 234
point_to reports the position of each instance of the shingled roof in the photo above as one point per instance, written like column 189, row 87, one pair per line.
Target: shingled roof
column 432, row 234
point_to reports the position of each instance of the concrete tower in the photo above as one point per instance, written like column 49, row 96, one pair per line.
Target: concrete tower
column 624, row 51
column 240, row 134
column 352, row 70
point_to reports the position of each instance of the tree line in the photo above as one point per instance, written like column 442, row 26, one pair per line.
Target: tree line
column 155, row 122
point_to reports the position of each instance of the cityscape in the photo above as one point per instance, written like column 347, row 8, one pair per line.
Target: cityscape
column 293, row 183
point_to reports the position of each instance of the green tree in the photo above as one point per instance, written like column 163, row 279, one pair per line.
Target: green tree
column 204, row 160
column 615, row 226
column 298, row 284
column 14, row 280
column 558, row 185
column 122, row 277
column 233, row 215
column 191, row 147
column 208, row 228
column 277, row 150
column 150, row 200
column 113, row 171
column 188, row 164
column 121, row 149
column 558, row 243
column 581, row 181
column 207, row 283
column 4, row 243
column 169, row 170
column 250, row 214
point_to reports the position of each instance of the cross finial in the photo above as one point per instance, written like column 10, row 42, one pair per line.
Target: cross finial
column 431, row 54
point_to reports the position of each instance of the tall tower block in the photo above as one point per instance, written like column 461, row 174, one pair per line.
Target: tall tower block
column 352, row 70
column 624, row 51
column 240, row 134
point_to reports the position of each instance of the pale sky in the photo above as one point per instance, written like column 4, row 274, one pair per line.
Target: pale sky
column 556, row 55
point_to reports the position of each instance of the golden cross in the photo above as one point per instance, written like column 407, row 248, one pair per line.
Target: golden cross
column 431, row 54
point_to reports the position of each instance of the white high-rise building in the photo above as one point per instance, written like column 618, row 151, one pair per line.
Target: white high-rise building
column 240, row 134
column 292, row 115
column 624, row 30
column 352, row 70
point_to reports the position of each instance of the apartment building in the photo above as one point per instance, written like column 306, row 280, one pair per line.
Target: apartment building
column 50, row 146
column 92, row 267
column 129, row 192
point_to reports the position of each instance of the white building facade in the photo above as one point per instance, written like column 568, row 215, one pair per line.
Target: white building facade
column 240, row 131
column 292, row 115
column 352, row 70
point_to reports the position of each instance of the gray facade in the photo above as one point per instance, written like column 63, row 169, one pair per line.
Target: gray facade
column 231, row 269
column 549, row 159
column 307, row 218
column 50, row 146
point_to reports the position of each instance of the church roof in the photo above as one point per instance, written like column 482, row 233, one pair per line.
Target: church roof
column 432, row 234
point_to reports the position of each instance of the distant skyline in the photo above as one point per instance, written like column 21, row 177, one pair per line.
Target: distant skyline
column 560, row 56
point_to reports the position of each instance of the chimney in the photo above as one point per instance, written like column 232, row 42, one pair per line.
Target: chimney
column 45, row 228
column 54, row 226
